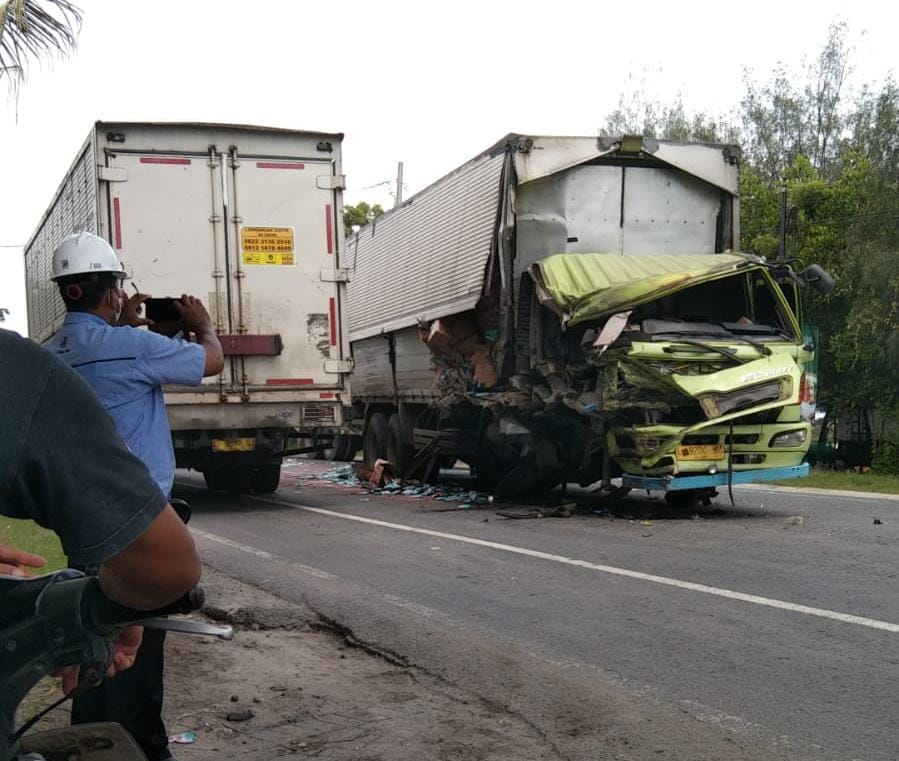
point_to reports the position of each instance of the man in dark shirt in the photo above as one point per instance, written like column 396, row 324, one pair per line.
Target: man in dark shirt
column 64, row 466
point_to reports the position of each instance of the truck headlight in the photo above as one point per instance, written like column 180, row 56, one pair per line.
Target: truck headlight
column 789, row 439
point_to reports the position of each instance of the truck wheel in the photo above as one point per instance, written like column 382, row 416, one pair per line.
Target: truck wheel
column 266, row 478
column 239, row 480
column 374, row 447
column 398, row 452
column 215, row 479
column 339, row 452
column 354, row 444
column 686, row 499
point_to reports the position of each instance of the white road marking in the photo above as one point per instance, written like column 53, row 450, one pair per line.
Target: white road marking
column 846, row 618
column 249, row 549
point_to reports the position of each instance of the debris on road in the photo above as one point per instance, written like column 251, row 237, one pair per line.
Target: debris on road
column 184, row 738
column 380, row 480
column 245, row 715
column 794, row 520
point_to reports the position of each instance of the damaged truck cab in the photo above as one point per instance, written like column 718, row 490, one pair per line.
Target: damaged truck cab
column 690, row 367
column 570, row 309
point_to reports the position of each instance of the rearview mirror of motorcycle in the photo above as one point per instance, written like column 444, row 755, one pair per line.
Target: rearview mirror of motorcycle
column 818, row 278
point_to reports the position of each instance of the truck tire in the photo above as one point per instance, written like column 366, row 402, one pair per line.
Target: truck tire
column 239, row 480
column 215, row 479
column 374, row 447
column 266, row 478
column 337, row 452
column 687, row 499
column 353, row 446
column 398, row 452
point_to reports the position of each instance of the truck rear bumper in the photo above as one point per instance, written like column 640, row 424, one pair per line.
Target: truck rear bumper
column 288, row 414
column 711, row 480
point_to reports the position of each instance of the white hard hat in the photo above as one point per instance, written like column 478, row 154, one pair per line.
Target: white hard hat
column 85, row 254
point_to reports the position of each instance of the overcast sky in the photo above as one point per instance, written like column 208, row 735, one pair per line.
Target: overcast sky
column 424, row 83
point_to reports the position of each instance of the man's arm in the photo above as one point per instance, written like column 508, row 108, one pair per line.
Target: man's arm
column 165, row 553
column 196, row 319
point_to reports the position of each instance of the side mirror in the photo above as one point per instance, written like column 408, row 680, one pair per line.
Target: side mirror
column 819, row 278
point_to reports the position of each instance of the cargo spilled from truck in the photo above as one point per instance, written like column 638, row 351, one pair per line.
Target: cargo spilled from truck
column 246, row 219
column 570, row 309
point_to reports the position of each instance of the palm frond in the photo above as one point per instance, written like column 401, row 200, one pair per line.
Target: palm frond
column 35, row 30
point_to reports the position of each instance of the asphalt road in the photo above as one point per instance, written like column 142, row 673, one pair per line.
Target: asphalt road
column 768, row 630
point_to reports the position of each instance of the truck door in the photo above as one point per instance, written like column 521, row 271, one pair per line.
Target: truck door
column 282, row 244
column 165, row 222
column 256, row 239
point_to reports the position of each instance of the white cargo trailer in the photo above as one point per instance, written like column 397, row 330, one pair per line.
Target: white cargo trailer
column 249, row 220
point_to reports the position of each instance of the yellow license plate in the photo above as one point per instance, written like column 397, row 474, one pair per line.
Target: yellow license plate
column 700, row 452
column 233, row 445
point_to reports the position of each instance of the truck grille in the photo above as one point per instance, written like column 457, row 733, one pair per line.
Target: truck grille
column 716, row 405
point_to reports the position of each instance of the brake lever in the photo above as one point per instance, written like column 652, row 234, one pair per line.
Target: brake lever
column 187, row 627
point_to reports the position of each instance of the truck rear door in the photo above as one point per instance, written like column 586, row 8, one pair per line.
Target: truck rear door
column 256, row 239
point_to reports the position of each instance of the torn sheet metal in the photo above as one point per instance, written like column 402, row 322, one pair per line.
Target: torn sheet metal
column 589, row 286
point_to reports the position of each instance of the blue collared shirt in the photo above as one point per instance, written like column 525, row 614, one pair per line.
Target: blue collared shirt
column 126, row 368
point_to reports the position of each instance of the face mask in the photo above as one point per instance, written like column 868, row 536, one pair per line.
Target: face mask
column 118, row 303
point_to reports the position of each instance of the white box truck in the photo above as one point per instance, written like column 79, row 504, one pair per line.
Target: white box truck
column 249, row 220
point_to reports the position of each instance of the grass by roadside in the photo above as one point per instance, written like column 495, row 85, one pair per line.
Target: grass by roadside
column 846, row 480
column 27, row 535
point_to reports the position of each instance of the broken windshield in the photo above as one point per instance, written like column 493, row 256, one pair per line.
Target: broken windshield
column 741, row 308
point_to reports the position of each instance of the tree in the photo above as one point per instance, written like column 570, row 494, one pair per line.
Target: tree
column 359, row 215
column 32, row 30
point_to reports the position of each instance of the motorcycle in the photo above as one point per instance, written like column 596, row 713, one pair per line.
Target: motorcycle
column 64, row 619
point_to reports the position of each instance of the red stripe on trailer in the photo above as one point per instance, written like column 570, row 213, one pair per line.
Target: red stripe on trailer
column 278, row 165
column 333, row 304
column 326, row 395
column 329, row 230
column 289, row 381
column 117, row 222
column 163, row 160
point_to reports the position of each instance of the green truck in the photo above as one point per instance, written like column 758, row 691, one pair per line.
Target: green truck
column 573, row 309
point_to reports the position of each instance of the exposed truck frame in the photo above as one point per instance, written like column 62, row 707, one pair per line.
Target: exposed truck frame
column 568, row 309
column 249, row 220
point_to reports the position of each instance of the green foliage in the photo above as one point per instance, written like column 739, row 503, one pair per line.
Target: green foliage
column 359, row 215
column 886, row 458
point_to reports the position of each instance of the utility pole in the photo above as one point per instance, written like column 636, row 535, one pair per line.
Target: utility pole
column 398, row 201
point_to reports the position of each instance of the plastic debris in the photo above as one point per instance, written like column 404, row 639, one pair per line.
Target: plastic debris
column 184, row 738
column 794, row 520
column 358, row 475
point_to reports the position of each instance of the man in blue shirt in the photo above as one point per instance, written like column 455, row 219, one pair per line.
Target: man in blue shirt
column 127, row 367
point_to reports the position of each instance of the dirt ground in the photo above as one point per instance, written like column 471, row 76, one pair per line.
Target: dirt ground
column 290, row 685
column 308, row 692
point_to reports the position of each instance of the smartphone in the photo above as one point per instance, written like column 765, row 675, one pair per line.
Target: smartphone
column 166, row 318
